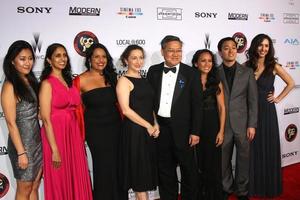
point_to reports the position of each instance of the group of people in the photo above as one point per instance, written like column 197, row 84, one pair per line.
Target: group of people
column 139, row 130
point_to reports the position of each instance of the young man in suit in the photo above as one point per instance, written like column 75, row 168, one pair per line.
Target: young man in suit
column 178, row 98
column 241, row 110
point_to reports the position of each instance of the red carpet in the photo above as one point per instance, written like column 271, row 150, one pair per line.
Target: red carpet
column 291, row 184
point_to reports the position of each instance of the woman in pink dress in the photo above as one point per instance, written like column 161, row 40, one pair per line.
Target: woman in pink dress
column 65, row 167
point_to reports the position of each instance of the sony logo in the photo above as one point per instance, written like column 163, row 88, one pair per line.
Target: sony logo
column 31, row 10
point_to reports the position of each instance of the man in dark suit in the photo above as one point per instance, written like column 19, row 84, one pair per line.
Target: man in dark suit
column 178, row 94
column 241, row 118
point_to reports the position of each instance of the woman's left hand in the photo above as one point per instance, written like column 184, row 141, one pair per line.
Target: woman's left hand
column 219, row 139
column 157, row 131
column 271, row 98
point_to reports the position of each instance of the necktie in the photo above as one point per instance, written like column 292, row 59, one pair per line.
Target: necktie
column 167, row 69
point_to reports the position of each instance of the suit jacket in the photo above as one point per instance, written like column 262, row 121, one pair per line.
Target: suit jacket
column 241, row 103
column 186, row 110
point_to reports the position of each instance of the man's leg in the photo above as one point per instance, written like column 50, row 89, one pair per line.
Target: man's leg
column 227, row 149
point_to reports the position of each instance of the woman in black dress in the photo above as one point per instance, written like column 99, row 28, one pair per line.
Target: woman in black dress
column 265, row 159
column 212, row 133
column 136, row 98
column 102, row 121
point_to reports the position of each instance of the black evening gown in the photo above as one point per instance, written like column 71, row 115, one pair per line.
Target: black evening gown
column 139, row 149
column 265, row 158
column 210, row 161
column 103, row 132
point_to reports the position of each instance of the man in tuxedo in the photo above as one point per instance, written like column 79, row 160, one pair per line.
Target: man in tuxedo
column 241, row 118
column 178, row 98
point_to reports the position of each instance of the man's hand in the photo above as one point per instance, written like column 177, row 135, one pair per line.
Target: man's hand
column 194, row 139
column 250, row 133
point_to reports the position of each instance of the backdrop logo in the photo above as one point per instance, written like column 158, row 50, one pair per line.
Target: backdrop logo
column 126, row 42
column 292, row 64
column 130, row 12
column 205, row 15
column 291, row 132
column 4, row 185
column 286, row 155
column 3, row 150
column 291, row 41
column 237, row 16
column 84, row 11
column 169, row 13
column 266, row 17
column 207, row 41
column 36, row 43
column 290, row 18
column 83, row 41
column 34, row 10
column 291, row 110
column 241, row 41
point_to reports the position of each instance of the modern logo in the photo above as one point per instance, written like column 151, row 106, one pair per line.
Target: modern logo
column 266, row 17
column 288, row 111
column 237, row 16
column 169, row 13
column 34, row 10
column 290, row 18
column 207, row 41
column 36, row 43
column 130, row 12
column 4, row 185
column 3, row 150
column 205, row 15
column 291, row 132
column 291, row 41
column 83, row 41
column 241, row 41
column 292, row 64
column 126, row 42
column 84, row 11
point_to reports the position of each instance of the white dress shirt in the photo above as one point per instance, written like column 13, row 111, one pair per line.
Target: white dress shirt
column 167, row 90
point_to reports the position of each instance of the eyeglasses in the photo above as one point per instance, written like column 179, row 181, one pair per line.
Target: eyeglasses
column 173, row 51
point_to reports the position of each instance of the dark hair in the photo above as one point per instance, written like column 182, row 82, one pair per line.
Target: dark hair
column 127, row 51
column 66, row 72
column 213, row 80
column 12, row 75
column 108, row 72
column 252, row 54
column 223, row 40
column 169, row 38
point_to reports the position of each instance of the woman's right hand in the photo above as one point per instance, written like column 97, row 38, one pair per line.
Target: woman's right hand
column 56, row 160
column 23, row 161
column 151, row 130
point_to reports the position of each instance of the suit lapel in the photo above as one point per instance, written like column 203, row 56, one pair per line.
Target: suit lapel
column 159, row 81
column 237, row 77
column 179, row 85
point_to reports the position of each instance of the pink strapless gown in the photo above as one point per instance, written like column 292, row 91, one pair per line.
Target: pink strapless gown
column 71, row 181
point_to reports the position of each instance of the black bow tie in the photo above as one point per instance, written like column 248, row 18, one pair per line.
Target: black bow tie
column 172, row 69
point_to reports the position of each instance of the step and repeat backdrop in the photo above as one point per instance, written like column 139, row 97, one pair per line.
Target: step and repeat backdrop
column 116, row 24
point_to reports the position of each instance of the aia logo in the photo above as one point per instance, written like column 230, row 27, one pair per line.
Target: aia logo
column 291, row 41
column 83, row 41
column 291, row 132
column 4, row 185
column 241, row 41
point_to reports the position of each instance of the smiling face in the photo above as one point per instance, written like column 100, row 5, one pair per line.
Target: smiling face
column 263, row 48
column 135, row 60
column 228, row 51
column 23, row 62
column 58, row 59
column 204, row 63
column 172, row 53
column 98, row 59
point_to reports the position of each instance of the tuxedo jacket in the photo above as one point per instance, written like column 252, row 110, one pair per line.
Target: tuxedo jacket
column 241, row 103
column 186, row 109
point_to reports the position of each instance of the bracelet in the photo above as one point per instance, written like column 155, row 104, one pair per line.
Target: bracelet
column 25, row 152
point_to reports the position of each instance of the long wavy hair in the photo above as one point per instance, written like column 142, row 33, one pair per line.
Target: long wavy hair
column 21, row 90
column 109, row 72
column 66, row 72
column 252, row 54
column 213, row 80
